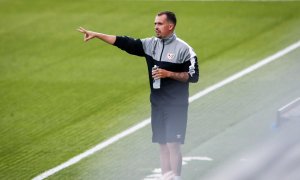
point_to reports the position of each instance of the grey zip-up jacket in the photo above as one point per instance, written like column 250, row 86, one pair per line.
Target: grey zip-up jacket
column 171, row 54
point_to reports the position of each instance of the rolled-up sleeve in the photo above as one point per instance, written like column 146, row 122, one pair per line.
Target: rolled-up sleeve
column 193, row 70
column 191, row 64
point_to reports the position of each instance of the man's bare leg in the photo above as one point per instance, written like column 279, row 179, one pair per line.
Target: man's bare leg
column 175, row 158
column 164, row 158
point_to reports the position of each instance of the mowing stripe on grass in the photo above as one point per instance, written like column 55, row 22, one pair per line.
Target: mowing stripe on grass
column 144, row 123
column 233, row 0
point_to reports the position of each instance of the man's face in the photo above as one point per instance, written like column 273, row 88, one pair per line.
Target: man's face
column 162, row 27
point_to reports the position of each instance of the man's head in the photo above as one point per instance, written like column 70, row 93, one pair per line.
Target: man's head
column 165, row 23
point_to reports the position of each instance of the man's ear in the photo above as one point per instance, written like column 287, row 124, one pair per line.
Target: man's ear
column 171, row 26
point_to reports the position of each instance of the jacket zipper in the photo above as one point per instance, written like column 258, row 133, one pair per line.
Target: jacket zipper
column 162, row 50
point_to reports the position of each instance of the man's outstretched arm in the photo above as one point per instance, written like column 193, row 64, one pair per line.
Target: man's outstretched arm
column 88, row 35
column 130, row 45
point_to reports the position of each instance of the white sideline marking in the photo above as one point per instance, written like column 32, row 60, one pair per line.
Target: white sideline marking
column 289, row 104
column 145, row 122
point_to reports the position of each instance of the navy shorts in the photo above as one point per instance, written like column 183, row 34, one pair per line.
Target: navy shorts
column 168, row 123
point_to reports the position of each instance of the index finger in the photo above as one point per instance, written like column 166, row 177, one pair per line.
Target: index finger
column 81, row 29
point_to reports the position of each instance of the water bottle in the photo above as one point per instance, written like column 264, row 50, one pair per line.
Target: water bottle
column 156, row 82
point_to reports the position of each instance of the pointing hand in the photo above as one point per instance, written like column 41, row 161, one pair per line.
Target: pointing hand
column 87, row 34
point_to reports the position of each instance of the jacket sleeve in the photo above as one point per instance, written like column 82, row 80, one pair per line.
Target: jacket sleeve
column 191, row 64
column 193, row 70
column 130, row 45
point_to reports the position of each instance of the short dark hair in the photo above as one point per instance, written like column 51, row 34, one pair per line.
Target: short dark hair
column 171, row 17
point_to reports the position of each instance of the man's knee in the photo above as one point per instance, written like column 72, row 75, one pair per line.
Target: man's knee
column 164, row 148
column 174, row 147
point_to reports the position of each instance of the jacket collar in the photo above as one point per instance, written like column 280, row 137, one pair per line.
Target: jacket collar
column 169, row 39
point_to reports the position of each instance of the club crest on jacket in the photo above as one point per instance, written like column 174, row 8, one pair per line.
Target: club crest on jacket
column 170, row 56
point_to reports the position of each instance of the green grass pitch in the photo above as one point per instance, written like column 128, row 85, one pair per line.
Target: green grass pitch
column 60, row 96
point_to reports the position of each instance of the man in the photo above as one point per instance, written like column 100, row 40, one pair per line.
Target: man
column 178, row 66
